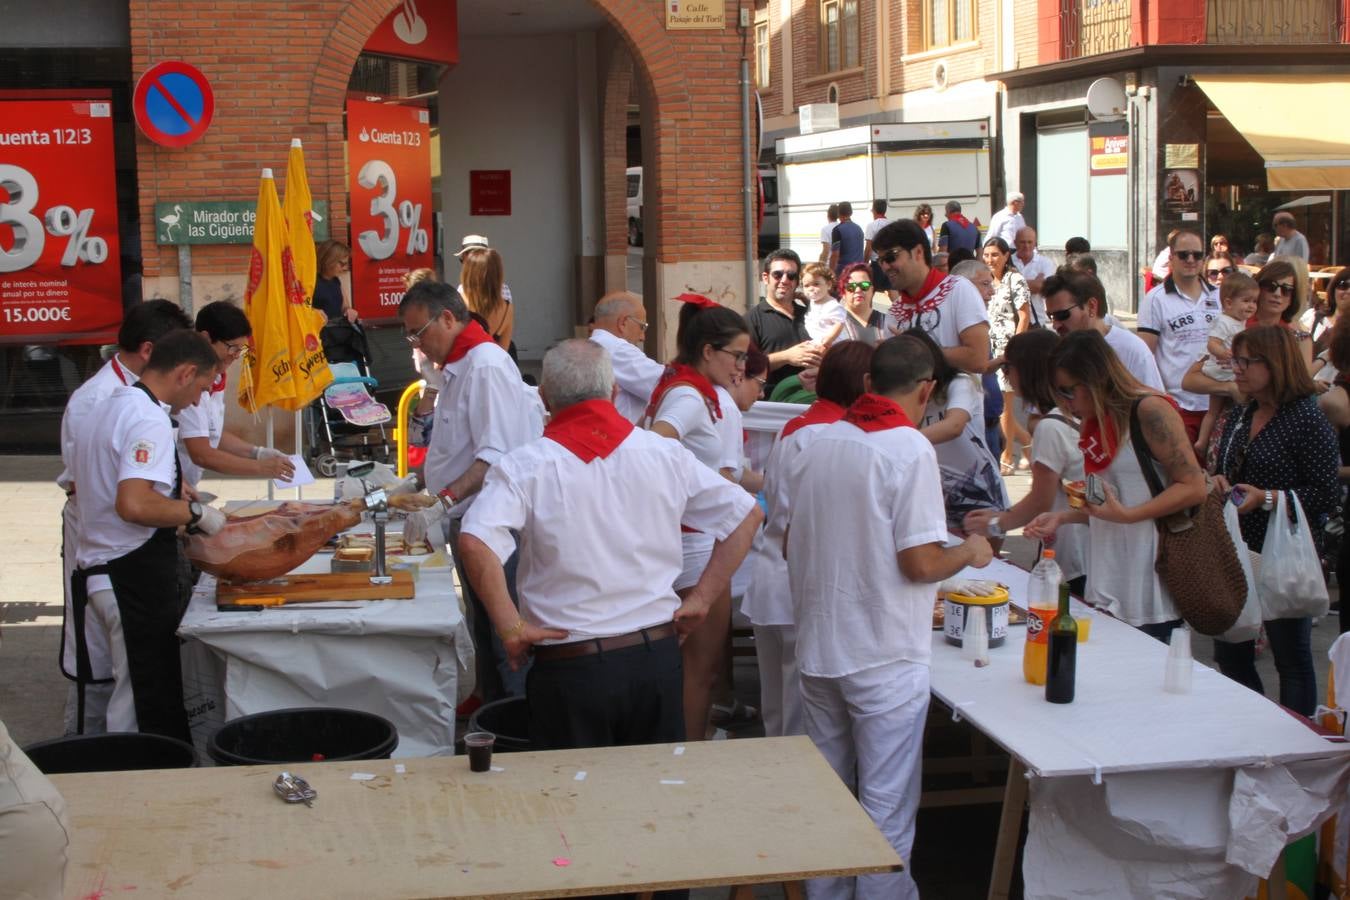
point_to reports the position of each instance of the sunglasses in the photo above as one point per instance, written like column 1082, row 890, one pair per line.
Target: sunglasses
column 1189, row 255
column 859, row 285
column 1240, row 363
column 1066, row 393
column 1214, row 273
column 780, row 274
column 890, row 256
column 1062, row 315
column 1278, row 288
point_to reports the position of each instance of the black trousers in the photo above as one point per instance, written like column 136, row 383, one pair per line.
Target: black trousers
column 608, row 699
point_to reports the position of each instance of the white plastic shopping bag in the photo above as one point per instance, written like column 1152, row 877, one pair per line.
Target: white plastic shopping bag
column 1291, row 583
column 1248, row 623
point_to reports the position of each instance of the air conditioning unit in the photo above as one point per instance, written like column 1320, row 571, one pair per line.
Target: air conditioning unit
column 818, row 117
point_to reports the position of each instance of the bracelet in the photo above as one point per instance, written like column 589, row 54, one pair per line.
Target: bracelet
column 447, row 498
column 512, row 631
column 1269, row 503
column 257, row 452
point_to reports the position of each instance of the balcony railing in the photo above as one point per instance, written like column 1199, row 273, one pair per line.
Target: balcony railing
column 1094, row 26
column 1272, row 21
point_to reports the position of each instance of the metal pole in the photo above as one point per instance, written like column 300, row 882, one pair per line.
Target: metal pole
column 747, row 174
column 185, row 278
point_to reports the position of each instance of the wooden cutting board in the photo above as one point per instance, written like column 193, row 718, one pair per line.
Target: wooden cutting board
column 318, row 587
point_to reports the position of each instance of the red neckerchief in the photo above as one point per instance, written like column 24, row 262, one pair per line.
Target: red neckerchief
column 822, row 412
column 960, row 219
column 219, row 384
column 119, row 371
column 1099, row 445
column 907, row 308
column 472, row 335
column 676, row 374
column 590, row 429
column 873, row 412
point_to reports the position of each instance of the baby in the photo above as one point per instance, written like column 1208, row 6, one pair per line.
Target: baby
column 1238, row 295
column 824, row 314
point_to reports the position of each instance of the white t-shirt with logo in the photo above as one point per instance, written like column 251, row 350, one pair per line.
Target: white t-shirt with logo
column 960, row 306
column 1182, row 326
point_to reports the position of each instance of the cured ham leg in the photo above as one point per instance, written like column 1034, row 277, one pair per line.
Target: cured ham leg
column 256, row 548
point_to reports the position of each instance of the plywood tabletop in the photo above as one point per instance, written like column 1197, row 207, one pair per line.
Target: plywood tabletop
column 639, row 818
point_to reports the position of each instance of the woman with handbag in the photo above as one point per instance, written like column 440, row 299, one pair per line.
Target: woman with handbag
column 1278, row 443
column 1123, row 540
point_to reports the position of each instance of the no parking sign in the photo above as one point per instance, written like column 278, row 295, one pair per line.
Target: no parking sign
column 173, row 103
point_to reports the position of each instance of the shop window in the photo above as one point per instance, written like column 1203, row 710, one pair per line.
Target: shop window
column 947, row 22
column 840, row 38
column 762, row 54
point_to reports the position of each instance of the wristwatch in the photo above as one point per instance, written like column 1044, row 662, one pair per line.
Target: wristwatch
column 995, row 530
column 195, row 514
column 1269, row 503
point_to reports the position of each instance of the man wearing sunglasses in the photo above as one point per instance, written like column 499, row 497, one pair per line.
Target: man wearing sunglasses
column 947, row 307
column 1076, row 301
column 620, row 326
column 778, row 322
column 203, row 442
column 1174, row 322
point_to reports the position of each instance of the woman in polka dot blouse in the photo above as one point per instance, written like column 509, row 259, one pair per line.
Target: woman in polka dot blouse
column 1278, row 441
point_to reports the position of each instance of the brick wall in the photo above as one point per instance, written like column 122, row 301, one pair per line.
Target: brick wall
column 912, row 66
column 280, row 69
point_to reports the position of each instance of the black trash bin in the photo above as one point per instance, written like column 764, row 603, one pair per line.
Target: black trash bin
column 117, row 751
column 508, row 719
column 303, row 735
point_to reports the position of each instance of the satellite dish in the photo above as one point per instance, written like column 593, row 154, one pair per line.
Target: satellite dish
column 1106, row 99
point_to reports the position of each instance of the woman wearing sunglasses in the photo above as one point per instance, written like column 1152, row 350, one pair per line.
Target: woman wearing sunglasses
column 1320, row 318
column 861, row 322
column 1278, row 441
column 1219, row 266
column 1009, row 313
column 1092, row 385
column 688, row 405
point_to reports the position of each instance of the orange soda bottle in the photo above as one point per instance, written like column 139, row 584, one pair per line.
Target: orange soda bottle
column 1042, row 607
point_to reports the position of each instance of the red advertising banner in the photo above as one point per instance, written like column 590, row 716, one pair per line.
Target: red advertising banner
column 427, row 31
column 60, row 273
column 389, row 154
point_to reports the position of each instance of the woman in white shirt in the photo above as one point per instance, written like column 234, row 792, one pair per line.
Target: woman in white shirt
column 1055, row 457
column 712, row 346
column 954, row 423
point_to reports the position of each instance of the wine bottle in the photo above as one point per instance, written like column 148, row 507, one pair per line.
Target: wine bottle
column 1062, row 656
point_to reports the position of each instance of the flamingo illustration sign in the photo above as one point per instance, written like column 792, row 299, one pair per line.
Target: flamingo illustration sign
column 218, row 222
column 419, row 29
column 60, row 277
column 389, row 180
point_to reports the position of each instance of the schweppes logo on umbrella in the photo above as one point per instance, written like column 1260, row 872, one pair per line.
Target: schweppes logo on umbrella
column 288, row 368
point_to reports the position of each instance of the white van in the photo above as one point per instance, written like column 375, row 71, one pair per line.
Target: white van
column 634, row 205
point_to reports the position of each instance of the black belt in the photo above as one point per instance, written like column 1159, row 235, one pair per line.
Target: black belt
column 600, row 645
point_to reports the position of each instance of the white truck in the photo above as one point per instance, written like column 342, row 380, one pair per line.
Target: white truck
column 905, row 164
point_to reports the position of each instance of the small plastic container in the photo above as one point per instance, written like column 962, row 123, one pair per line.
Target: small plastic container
column 479, row 744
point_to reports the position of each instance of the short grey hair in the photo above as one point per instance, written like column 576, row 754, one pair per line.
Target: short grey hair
column 617, row 304
column 432, row 297
column 968, row 268
column 1016, row 197
column 574, row 371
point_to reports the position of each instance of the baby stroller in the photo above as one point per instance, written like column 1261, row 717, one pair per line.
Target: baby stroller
column 346, row 423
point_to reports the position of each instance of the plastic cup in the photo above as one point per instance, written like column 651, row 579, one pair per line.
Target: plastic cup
column 479, row 745
column 1076, row 492
column 1083, row 619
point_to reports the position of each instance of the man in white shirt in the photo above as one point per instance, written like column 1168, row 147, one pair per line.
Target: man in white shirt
column 598, row 505
column 620, row 324
column 827, row 232
column 1289, row 241
column 949, row 308
column 90, row 667
column 1035, row 267
column 126, row 469
column 1076, row 301
column 483, row 412
column 203, row 442
column 864, row 555
column 1174, row 321
column 1008, row 220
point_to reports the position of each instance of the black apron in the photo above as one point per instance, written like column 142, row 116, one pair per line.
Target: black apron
column 145, row 584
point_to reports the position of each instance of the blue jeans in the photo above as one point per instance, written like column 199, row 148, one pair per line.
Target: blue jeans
column 1291, row 643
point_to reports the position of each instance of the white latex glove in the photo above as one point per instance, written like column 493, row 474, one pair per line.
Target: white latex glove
column 212, row 520
column 424, row 526
column 269, row 453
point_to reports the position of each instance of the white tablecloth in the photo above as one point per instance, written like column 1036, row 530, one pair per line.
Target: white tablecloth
column 1136, row 792
column 410, row 661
